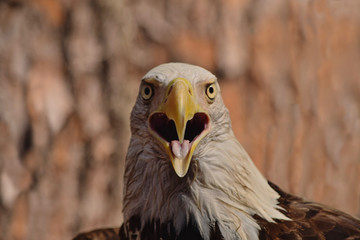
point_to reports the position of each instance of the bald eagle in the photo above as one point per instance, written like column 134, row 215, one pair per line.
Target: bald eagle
column 187, row 177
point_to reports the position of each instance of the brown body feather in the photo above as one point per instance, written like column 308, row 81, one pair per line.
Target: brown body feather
column 154, row 230
column 309, row 221
column 151, row 231
column 100, row 234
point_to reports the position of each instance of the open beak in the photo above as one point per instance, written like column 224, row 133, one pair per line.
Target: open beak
column 179, row 124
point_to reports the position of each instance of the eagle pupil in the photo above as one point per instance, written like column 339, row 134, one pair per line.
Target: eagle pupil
column 147, row 91
column 211, row 90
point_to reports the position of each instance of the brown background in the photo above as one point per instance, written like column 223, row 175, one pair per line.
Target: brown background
column 69, row 72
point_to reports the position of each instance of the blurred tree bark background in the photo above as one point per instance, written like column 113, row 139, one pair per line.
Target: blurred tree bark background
column 69, row 73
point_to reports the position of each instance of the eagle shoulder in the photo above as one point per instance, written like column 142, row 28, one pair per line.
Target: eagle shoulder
column 309, row 221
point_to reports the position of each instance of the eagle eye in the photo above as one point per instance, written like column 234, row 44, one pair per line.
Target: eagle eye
column 147, row 91
column 211, row 91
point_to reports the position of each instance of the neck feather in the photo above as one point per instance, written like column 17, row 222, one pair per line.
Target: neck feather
column 223, row 186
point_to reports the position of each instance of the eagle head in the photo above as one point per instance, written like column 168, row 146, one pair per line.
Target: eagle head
column 179, row 109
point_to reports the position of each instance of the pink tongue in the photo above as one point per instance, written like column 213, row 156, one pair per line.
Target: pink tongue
column 180, row 150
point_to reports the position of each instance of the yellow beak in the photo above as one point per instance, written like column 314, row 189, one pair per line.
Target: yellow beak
column 179, row 108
